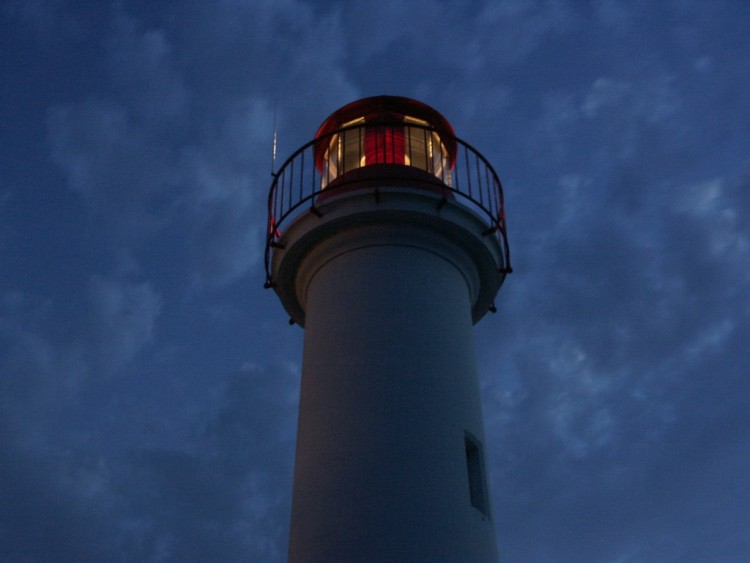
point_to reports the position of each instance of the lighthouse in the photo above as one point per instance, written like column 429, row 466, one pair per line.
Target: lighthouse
column 387, row 242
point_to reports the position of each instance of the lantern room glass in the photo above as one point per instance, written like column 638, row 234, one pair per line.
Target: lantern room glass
column 412, row 144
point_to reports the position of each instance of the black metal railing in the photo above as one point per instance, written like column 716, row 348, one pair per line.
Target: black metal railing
column 328, row 164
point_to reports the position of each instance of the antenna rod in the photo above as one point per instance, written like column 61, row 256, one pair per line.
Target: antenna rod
column 273, row 158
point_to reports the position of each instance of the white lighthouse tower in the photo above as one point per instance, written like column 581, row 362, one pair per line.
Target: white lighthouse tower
column 386, row 242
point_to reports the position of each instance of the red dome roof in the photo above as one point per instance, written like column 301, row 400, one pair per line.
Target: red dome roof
column 385, row 107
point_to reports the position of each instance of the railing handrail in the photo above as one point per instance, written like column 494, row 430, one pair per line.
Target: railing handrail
column 283, row 185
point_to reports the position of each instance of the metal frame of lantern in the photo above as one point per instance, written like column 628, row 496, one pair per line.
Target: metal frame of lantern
column 465, row 176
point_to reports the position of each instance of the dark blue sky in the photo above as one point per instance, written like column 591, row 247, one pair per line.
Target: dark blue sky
column 148, row 384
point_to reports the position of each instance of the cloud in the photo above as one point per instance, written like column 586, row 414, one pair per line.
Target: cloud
column 52, row 504
column 54, row 360
column 144, row 70
column 123, row 318
column 714, row 207
column 170, row 150
column 46, row 19
column 613, row 13
column 39, row 369
column 72, row 488
column 622, row 310
column 54, row 495
column 141, row 413
column 470, row 43
column 653, row 101
column 220, row 495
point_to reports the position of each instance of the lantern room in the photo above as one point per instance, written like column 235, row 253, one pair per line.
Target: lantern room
column 384, row 131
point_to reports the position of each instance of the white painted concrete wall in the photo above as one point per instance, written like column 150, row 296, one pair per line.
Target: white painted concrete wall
column 389, row 382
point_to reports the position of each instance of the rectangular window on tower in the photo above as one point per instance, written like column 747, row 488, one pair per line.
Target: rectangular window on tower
column 475, row 470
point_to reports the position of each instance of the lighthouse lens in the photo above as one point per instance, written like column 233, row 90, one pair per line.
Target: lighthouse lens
column 359, row 144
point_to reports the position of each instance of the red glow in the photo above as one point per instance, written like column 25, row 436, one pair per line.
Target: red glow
column 385, row 145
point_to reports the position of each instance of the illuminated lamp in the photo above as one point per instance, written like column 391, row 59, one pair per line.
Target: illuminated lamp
column 356, row 140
